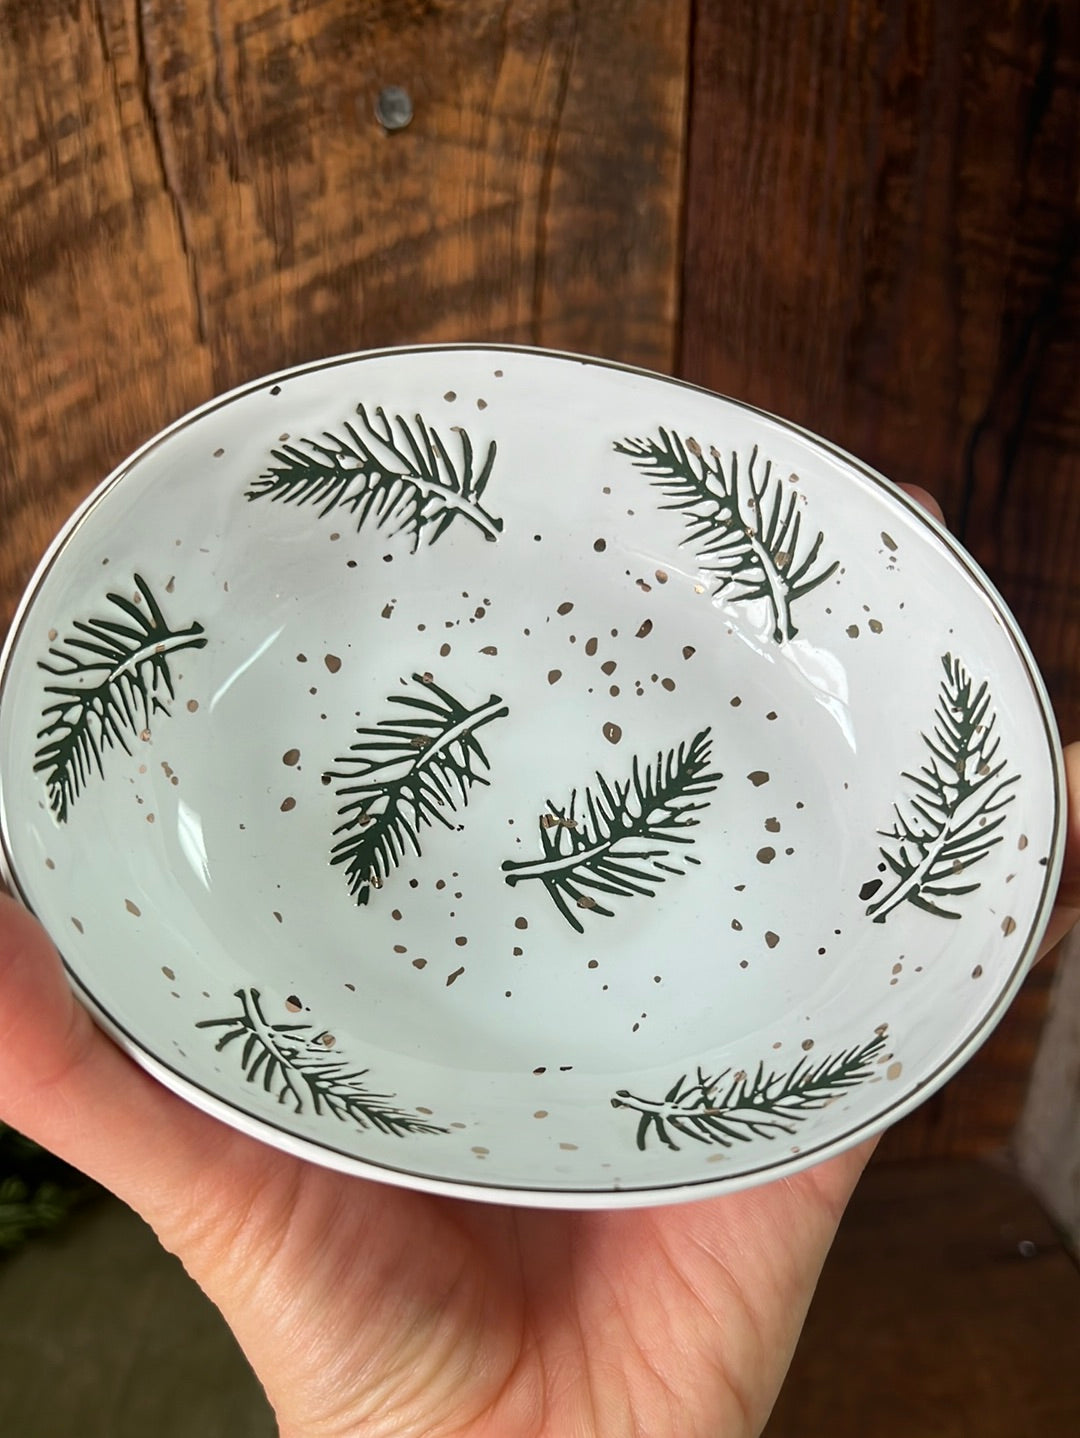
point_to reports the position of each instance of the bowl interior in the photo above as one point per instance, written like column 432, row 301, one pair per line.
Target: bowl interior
column 496, row 770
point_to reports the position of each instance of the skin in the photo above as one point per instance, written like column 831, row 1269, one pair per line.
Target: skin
column 369, row 1311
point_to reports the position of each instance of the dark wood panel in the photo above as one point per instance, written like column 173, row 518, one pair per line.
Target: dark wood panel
column 196, row 194
column 947, row 1308
column 882, row 244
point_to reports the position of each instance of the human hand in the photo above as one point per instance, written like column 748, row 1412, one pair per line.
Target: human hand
column 369, row 1310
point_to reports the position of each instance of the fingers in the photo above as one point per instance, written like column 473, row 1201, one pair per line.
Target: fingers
column 926, row 499
column 1067, row 909
column 66, row 1085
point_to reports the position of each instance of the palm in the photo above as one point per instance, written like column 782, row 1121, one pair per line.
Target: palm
column 438, row 1317
column 366, row 1309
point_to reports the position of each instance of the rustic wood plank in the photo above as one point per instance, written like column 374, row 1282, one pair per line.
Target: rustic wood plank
column 947, row 1307
column 197, row 194
column 882, row 244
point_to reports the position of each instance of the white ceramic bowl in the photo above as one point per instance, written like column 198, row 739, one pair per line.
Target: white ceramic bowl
column 517, row 776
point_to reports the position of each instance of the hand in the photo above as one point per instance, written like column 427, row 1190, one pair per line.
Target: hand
column 368, row 1310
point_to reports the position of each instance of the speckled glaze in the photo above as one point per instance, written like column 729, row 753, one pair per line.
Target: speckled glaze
column 514, row 775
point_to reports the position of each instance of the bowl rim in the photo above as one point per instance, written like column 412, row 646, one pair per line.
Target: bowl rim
column 563, row 1197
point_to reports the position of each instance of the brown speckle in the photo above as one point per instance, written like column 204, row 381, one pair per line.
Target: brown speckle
column 1008, row 925
column 293, row 1004
column 668, row 684
column 450, row 396
column 277, row 916
column 133, row 908
column 291, row 757
column 565, row 607
column 419, row 963
column 608, row 667
column 894, row 1070
column 772, row 826
column 766, row 855
column 554, row 675
column 453, row 978
column 301, row 659
column 645, row 629
column 145, row 736
column 976, row 972
column 600, row 545
column 661, row 576
column 645, row 588
column 287, row 805
column 772, row 939
column 387, row 611
column 78, row 926
column 876, row 626
column 540, row 1113
column 489, row 649
column 461, row 941
column 481, row 404
column 807, row 1045
column 591, row 646
column 688, row 651
column 521, row 923
column 568, row 1147
column 612, row 732
column 168, row 973
column 852, row 631
column 735, row 702
column 1022, row 842
column 332, row 662
column 193, row 705
column 586, row 902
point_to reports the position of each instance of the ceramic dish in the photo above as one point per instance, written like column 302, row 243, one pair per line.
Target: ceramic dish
column 513, row 775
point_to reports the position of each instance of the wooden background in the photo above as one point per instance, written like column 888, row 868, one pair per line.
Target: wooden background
column 862, row 214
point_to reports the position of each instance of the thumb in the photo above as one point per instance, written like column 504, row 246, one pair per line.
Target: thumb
column 66, row 1085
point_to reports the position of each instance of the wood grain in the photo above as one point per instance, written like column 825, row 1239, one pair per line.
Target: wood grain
column 196, row 194
column 882, row 244
column 948, row 1307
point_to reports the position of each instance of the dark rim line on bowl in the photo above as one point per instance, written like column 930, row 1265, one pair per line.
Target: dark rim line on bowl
column 490, row 1190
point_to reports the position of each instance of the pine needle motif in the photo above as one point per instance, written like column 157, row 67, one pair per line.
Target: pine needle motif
column 404, row 774
column 622, row 843
column 298, row 1066
column 745, row 529
column 112, row 674
column 403, row 481
column 955, row 812
column 735, row 1108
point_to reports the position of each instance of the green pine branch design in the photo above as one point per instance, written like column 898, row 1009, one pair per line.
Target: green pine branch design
column 395, row 475
column 298, row 1066
column 735, row 1108
column 405, row 774
column 620, row 842
column 746, row 528
column 111, row 675
column 955, row 813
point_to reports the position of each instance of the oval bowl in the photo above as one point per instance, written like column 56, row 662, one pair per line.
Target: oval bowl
column 513, row 775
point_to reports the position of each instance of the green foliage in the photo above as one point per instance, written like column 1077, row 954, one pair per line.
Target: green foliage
column 746, row 529
column 37, row 1190
column 112, row 675
column 389, row 473
column 405, row 774
column 298, row 1065
column 620, row 842
column 735, row 1108
column 955, row 812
